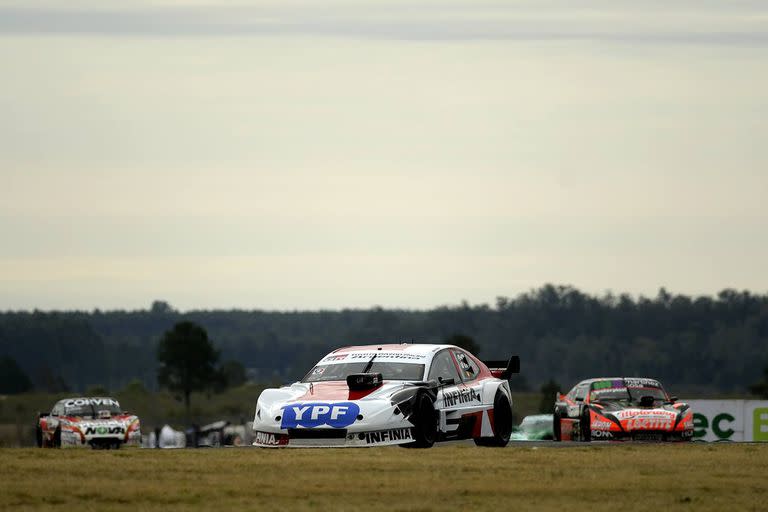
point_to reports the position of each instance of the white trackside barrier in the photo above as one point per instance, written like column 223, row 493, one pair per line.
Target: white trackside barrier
column 730, row 420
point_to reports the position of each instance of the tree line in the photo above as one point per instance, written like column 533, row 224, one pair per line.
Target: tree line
column 702, row 344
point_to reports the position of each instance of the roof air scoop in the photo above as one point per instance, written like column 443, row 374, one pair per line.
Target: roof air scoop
column 361, row 381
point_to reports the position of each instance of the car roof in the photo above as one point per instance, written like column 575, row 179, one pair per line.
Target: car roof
column 87, row 398
column 595, row 379
column 422, row 349
column 590, row 381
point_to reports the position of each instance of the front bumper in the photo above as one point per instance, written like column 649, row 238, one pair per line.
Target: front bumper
column 334, row 438
column 642, row 435
column 73, row 437
column 379, row 423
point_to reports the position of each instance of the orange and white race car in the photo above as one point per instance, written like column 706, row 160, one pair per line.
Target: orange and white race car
column 98, row 422
column 621, row 408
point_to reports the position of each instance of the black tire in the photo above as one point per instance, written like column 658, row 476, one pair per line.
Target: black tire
column 502, row 423
column 39, row 436
column 585, row 426
column 424, row 421
column 557, row 433
column 57, row 438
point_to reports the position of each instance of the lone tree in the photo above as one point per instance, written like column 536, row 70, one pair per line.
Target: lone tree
column 12, row 378
column 187, row 359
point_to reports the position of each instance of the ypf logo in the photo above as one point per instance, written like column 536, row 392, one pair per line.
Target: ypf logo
column 310, row 415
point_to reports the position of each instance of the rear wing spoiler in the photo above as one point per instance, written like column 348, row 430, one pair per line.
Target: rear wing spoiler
column 504, row 369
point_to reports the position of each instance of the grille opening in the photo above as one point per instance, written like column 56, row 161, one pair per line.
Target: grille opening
column 317, row 433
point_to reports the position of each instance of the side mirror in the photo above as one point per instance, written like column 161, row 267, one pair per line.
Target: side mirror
column 673, row 399
column 446, row 382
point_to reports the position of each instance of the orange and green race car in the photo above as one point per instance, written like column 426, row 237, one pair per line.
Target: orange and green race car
column 621, row 408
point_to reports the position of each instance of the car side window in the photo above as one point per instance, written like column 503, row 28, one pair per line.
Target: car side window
column 468, row 367
column 442, row 366
column 581, row 391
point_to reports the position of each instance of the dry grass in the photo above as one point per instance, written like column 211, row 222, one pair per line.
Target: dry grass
column 627, row 477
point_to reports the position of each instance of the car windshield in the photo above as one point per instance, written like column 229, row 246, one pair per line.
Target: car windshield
column 629, row 395
column 91, row 407
column 388, row 370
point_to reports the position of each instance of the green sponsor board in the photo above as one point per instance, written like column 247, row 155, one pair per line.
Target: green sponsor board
column 719, row 426
column 718, row 420
column 760, row 424
column 730, row 420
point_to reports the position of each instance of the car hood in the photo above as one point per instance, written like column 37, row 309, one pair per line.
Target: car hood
column 330, row 391
column 631, row 417
column 114, row 420
column 630, row 410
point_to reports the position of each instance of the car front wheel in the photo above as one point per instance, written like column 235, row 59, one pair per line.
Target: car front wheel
column 586, row 426
column 424, row 421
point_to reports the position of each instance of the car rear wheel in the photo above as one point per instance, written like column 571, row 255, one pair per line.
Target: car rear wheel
column 502, row 423
column 424, row 421
column 57, row 438
column 556, row 426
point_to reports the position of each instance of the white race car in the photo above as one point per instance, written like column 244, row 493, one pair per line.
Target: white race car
column 378, row 395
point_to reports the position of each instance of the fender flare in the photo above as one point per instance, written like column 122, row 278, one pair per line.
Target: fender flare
column 488, row 393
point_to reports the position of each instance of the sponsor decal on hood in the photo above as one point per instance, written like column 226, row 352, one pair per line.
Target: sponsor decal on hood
column 311, row 415
column 646, row 419
column 644, row 414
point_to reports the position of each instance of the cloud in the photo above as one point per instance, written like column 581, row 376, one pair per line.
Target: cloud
column 616, row 22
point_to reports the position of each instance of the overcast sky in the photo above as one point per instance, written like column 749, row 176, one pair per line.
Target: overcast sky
column 307, row 155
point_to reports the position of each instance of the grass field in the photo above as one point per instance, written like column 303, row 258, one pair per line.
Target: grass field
column 626, row 477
